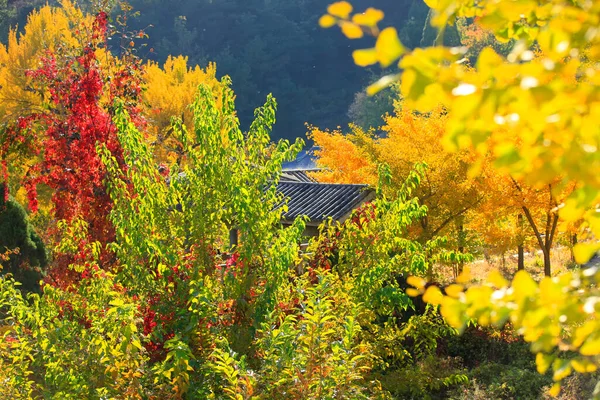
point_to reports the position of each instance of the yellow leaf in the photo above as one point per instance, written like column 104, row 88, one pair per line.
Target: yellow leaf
column 479, row 297
column 369, row 18
column 327, row 21
column 543, row 362
column 454, row 290
column 488, row 62
column 584, row 251
column 365, row 57
column 583, row 366
column 495, row 278
column 433, row 4
column 416, row 281
column 591, row 347
column 389, row 48
column 351, row 30
column 453, row 312
column 465, row 276
column 551, row 292
column 562, row 369
column 583, row 332
column 571, row 211
column 554, row 390
column 433, row 295
column 341, row 9
column 523, row 285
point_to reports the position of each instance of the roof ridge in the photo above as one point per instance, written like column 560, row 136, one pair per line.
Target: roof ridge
column 301, row 169
column 325, row 183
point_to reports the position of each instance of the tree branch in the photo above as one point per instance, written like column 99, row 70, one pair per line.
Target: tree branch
column 538, row 236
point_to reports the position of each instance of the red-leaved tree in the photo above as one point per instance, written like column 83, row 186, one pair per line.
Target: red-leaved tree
column 78, row 117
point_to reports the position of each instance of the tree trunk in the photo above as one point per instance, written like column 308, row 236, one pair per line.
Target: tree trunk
column 545, row 242
column 461, row 244
column 521, row 258
column 547, row 266
column 573, row 244
column 520, row 247
column 233, row 238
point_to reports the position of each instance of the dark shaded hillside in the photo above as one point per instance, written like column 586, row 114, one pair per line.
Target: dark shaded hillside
column 274, row 46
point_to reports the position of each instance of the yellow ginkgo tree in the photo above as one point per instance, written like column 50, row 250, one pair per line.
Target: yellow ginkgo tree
column 169, row 91
column 558, row 316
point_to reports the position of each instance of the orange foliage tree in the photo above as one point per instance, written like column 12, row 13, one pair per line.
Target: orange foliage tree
column 410, row 138
column 342, row 157
column 505, row 212
column 446, row 190
column 515, row 212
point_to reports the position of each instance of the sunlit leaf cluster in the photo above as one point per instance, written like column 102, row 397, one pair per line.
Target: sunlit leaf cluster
column 556, row 315
column 543, row 94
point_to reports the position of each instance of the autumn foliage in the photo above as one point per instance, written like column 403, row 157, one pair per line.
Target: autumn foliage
column 530, row 111
column 408, row 138
column 77, row 95
column 171, row 274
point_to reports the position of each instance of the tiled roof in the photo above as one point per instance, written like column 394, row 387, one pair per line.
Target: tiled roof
column 321, row 200
column 297, row 175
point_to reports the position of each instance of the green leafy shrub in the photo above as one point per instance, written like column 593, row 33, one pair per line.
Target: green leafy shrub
column 313, row 350
column 28, row 256
column 427, row 378
column 79, row 343
column 180, row 313
column 478, row 345
column 424, row 370
column 504, row 381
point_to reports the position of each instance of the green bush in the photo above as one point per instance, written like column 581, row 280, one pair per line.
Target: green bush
column 25, row 254
column 429, row 378
column 478, row 345
column 502, row 381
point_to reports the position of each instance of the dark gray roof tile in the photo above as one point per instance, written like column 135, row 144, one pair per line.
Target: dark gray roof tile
column 319, row 201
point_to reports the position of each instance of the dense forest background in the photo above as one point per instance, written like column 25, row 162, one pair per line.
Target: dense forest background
column 268, row 46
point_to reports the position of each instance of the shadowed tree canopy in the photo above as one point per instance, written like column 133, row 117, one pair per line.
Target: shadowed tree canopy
column 16, row 233
column 272, row 47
